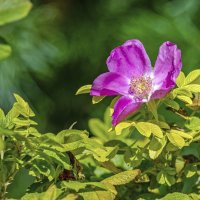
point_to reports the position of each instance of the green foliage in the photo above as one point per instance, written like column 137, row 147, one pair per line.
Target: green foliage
column 161, row 150
column 12, row 10
column 145, row 153
column 149, row 156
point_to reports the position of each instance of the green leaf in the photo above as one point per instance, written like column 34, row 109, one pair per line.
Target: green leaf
column 97, row 99
column 111, row 167
column 179, row 164
column 2, row 119
column 175, row 196
column 5, row 51
column 122, row 177
column 193, row 123
column 171, row 103
column 123, row 126
column 12, row 10
column 143, row 128
column 146, row 128
column 84, row 89
column 77, row 186
column 98, row 128
column 156, row 146
column 97, row 195
column 99, row 152
column 22, row 107
column 176, row 139
column 59, row 158
column 161, row 124
column 192, row 76
column 165, row 178
column 2, row 144
column 6, row 132
column 52, row 193
column 185, row 99
column 192, row 88
column 182, row 92
column 180, row 79
column 133, row 156
column 152, row 107
column 22, row 180
column 181, row 133
column 23, row 122
column 190, row 170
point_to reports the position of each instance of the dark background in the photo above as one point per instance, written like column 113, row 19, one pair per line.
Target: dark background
column 64, row 44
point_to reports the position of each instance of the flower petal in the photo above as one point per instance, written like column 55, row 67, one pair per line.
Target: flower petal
column 168, row 66
column 129, row 59
column 124, row 107
column 109, row 84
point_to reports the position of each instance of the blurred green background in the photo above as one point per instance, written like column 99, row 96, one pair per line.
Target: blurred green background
column 63, row 44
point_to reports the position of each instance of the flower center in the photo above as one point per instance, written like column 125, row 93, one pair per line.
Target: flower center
column 141, row 87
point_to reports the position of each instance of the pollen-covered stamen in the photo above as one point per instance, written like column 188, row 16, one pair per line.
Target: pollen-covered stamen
column 141, row 86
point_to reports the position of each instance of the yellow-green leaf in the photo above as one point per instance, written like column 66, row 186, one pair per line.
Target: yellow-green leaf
column 175, row 196
column 185, row 99
column 180, row 79
column 171, row 103
column 143, row 128
column 193, row 87
column 5, row 51
column 176, row 140
column 182, row 134
column 12, row 10
column 192, row 76
column 122, row 177
column 84, row 89
column 156, row 146
column 2, row 144
column 97, row 99
column 146, row 128
column 152, row 107
column 182, row 92
column 122, row 126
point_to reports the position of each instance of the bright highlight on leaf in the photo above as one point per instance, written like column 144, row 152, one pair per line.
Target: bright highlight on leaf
column 84, row 89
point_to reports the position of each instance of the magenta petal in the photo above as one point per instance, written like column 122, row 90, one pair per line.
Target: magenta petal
column 124, row 107
column 168, row 66
column 129, row 59
column 109, row 84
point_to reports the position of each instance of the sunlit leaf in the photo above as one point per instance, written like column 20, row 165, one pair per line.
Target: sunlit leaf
column 123, row 126
column 185, row 99
column 182, row 134
column 179, row 164
column 97, row 99
column 192, row 76
column 180, row 79
column 175, row 196
column 84, row 89
column 12, row 10
column 146, row 128
column 193, row 87
column 122, row 177
column 176, row 139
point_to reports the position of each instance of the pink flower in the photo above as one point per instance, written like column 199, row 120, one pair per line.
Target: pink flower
column 131, row 76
